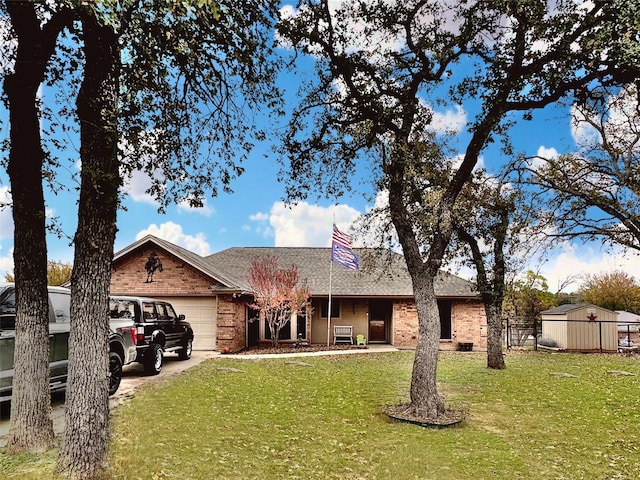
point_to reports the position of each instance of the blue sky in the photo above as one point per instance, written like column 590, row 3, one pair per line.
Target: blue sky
column 254, row 214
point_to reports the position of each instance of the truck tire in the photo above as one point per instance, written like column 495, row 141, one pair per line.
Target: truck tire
column 153, row 360
column 185, row 352
column 115, row 372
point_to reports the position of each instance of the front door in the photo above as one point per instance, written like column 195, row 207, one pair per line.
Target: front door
column 379, row 320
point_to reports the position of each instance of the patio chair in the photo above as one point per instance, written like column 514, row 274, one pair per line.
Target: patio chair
column 360, row 340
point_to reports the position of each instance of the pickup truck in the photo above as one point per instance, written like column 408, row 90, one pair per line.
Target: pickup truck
column 158, row 329
column 122, row 336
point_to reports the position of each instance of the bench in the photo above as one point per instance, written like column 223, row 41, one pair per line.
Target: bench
column 343, row 334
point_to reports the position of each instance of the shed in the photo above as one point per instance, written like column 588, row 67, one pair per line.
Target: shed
column 581, row 328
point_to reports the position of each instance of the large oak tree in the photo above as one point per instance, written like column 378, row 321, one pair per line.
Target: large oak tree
column 180, row 98
column 35, row 43
column 382, row 67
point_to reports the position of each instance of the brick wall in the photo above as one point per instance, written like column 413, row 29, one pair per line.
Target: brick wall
column 405, row 324
column 177, row 278
column 232, row 326
column 468, row 324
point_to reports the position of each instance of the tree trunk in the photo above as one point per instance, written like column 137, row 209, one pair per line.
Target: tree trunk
column 31, row 425
column 425, row 400
column 83, row 453
column 495, row 357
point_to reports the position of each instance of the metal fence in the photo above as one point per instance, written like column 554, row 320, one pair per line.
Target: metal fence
column 522, row 333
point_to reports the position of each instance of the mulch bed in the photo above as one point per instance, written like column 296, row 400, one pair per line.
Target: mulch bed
column 289, row 348
column 403, row 412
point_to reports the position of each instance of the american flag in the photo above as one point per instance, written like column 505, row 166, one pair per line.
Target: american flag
column 341, row 252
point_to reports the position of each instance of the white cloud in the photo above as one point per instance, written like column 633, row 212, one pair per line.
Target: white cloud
column 302, row 224
column 205, row 210
column 172, row 232
column 572, row 260
column 450, row 120
column 259, row 217
column 136, row 187
column 544, row 153
column 6, row 262
column 584, row 135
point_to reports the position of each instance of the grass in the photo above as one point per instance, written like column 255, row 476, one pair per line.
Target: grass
column 274, row 419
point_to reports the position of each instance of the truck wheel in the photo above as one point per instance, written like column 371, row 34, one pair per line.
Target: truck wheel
column 115, row 372
column 153, row 360
column 185, row 351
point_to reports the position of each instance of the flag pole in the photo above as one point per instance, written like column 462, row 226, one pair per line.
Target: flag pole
column 329, row 304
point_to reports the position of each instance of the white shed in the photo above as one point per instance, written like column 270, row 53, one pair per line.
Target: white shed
column 581, row 328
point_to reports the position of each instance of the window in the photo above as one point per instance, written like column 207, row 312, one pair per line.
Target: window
column 284, row 334
column 335, row 308
column 148, row 311
column 8, row 308
column 166, row 312
column 61, row 303
column 119, row 308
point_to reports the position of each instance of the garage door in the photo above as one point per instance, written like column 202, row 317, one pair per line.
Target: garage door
column 201, row 314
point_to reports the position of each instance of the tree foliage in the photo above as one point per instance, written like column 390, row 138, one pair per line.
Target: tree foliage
column 58, row 273
column 527, row 297
column 614, row 290
column 199, row 83
column 277, row 293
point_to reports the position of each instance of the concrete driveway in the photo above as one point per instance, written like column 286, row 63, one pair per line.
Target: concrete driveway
column 132, row 377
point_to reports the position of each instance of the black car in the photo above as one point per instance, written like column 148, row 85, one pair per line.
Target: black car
column 158, row 329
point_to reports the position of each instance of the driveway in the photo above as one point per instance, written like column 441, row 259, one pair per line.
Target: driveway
column 132, row 377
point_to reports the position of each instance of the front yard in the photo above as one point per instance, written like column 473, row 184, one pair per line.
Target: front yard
column 557, row 416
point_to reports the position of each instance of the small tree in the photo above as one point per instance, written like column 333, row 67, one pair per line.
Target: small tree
column 527, row 297
column 277, row 293
column 493, row 224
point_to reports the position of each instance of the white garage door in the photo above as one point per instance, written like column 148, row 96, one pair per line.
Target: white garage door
column 201, row 314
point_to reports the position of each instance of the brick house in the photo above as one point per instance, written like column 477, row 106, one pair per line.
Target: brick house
column 212, row 292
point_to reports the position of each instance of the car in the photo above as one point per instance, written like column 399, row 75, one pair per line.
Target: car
column 159, row 329
column 122, row 336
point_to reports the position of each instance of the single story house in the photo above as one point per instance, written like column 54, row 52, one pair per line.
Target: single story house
column 581, row 328
column 376, row 301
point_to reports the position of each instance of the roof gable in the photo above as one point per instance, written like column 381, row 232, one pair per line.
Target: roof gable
column 193, row 259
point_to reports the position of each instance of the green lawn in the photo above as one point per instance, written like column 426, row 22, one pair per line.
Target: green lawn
column 553, row 416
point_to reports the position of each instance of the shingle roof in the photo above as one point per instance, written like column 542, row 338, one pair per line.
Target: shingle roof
column 566, row 308
column 381, row 273
column 378, row 276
